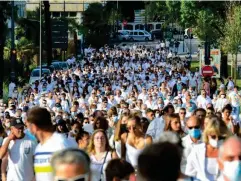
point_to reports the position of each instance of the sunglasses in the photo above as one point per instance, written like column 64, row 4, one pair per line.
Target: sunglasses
column 219, row 137
column 194, row 127
column 182, row 112
column 84, row 177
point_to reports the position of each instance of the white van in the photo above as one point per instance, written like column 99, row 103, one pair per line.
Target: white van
column 140, row 35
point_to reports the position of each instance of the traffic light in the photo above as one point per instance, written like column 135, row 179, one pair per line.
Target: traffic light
column 207, row 53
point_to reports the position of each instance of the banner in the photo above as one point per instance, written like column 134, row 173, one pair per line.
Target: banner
column 215, row 56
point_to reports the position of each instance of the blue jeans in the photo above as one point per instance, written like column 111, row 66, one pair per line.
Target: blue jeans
column 236, row 111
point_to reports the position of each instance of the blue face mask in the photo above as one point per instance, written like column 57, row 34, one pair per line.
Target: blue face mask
column 194, row 133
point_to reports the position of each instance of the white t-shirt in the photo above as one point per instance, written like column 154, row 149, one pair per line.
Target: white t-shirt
column 43, row 153
column 20, row 159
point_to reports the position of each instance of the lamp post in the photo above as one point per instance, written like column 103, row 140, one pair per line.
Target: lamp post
column 13, row 51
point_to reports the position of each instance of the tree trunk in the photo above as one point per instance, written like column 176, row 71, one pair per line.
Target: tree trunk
column 48, row 32
column 2, row 42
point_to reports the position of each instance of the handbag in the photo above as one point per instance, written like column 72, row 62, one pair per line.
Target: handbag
column 101, row 171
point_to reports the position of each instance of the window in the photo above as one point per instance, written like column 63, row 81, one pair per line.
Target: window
column 72, row 14
column 135, row 33
column 158, row 26
column 141, row 33
column 131, row 33
column 56, row 14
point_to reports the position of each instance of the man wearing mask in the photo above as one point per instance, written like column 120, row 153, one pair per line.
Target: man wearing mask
column 20, row 148
column 229, row 160
column 192, row 139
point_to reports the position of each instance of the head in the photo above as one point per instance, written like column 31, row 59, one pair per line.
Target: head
column 82, row 138
column 118, row 170
column 134, row 125
column 182, row 113
column 215, row 132
column 39, row 121
column 229, row 159
column 150, row 114
column 163, row 160
column 174, row 123
column 101, row 123
column 200, row 113
column 227, row 111
column 17, row 127
column 98, row 140
column 71, row 164
column 194, row 127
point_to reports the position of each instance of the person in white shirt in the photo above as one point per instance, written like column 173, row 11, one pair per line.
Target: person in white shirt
column 40, row 125
column 221, row 102
column 19, row 148
column 190, row 140
column 156, row 127
column 235, row 101
column 203, row 100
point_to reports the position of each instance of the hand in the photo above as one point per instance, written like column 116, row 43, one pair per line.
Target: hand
column 11, row 136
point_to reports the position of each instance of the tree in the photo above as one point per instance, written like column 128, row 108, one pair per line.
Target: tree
column 232, row 31
column 95, row 20
column 5, row 12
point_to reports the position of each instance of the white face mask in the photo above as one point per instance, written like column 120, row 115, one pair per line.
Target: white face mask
column 232, row 170
column 222, row 96
column 214, row 143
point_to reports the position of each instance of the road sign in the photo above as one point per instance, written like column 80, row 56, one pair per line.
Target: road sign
column 59, row 33
column 207, row 71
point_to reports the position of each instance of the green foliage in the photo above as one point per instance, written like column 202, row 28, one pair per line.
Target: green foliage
column 95, row 20
column 232, row 39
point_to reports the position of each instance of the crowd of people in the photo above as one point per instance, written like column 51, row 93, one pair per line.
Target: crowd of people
column 133, row 114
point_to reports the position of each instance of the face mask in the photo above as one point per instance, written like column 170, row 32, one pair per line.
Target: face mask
column 232, row 170
column 214, row 143
column 44, row 89
column 178, row 81
column 157, row 115
column 222, row 96
column 194, row 133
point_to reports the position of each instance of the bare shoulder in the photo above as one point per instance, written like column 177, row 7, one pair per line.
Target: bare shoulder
column 148, row 139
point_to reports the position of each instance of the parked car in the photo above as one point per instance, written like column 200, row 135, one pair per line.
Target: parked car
column 35, row 74
column 140, row 35
column 62, row 65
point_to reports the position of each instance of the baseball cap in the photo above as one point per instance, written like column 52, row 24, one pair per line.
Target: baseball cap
column 16, row 122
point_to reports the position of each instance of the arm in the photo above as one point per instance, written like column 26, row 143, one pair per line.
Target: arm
column 114, row 155
column 148, row 140
column 123, row 145
column 4, row 166
column 4, row 148
column 151, row 130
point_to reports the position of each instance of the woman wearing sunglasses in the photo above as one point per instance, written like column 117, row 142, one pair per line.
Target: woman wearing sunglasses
column 100, row 154
column 134, row 141
column 202, row 161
